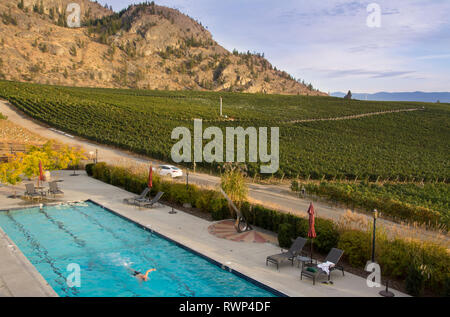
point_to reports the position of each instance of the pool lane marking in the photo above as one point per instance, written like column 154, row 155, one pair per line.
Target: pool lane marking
column 127, row 243
column 80, row 242
column 172, row 276
column 61, row 226
column 42, row 253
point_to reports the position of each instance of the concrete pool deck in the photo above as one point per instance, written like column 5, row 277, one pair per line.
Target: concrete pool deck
column 19, row 278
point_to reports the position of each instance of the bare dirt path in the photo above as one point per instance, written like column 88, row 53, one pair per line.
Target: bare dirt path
column 357, row 116
column 278, row 196
column 350, row 117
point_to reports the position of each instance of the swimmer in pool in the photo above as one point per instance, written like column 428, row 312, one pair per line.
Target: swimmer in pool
column 139, row 275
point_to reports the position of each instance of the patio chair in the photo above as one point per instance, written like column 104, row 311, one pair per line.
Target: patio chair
column 149, row 203
column 313, row 271
column 141, row 197
column 54, row 190
column 295, row 250
column 31, row 192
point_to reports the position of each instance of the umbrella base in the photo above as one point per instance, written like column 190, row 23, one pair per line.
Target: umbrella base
column 386, row 294
column 172, row 212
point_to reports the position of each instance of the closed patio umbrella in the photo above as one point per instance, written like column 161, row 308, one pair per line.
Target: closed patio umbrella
column 150, row 177
column 312, row 231
column 41, row 173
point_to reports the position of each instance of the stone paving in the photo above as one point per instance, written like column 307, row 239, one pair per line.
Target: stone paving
column 226, row 230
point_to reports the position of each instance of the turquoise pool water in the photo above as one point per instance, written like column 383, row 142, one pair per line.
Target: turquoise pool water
column 105, row 246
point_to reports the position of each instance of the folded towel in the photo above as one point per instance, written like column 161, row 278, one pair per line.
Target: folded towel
column 311, row 269
column 326, row 266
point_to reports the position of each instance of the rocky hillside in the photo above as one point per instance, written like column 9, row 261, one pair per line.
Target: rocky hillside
column 145, row 46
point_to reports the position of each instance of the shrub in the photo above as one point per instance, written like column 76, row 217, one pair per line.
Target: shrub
column 356, row 246
column 260, row 216
column 446, row 292
column 285, row 235
column 414, row 282
column 327, row 235
column 177, row 193
column 203, row 201
column 302, row 227
column 118, row 176
column 102, row 172
column 73, row 50
column 90, row 169
column 435, row 259
column 394, row 257
column 219, row 209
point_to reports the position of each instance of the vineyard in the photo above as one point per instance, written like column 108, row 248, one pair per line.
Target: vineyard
column 399, row 146
column 426, row 204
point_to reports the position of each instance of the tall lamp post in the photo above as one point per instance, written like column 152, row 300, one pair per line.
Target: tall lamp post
column 375, row 216
column 384, row 293
column 187, row 177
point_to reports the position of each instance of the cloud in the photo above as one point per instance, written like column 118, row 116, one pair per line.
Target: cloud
column 359, row 72
column 441, row 56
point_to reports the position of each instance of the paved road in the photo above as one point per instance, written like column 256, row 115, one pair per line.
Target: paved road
column 278, row 196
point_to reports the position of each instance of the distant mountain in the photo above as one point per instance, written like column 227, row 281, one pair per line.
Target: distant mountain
column 419, row 96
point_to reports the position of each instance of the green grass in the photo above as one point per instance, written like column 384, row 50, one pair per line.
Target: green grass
column 399, row 146
column 3, row 117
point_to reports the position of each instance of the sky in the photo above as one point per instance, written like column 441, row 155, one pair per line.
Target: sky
column 336, row 45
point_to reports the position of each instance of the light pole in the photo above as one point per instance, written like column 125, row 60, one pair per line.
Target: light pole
column 187, row 177
column 91, row 156
column 375, row 216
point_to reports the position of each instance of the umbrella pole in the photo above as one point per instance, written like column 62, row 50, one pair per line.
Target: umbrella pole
column 311, row 250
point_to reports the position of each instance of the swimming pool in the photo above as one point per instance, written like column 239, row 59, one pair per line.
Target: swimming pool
column 106, row 247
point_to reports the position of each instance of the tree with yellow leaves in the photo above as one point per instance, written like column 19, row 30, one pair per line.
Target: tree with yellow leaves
column 233, row 182
column 52, row 157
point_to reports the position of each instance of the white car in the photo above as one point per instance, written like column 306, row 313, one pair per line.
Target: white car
column 170, row 170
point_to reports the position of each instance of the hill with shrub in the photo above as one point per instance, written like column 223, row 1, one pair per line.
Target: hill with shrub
column 145, row 46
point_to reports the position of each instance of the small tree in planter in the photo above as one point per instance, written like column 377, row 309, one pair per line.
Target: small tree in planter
column 234, row 184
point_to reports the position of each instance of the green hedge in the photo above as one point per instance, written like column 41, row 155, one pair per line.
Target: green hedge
column 357, row 246
column 394, row 256
column 285, row 235
column 90, row 169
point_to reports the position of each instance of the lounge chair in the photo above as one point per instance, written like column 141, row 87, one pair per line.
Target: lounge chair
column 313, row 271
column 31, row 192
column 150, row 203
column 295, row 250
column 54, row 190
column 141, row 197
